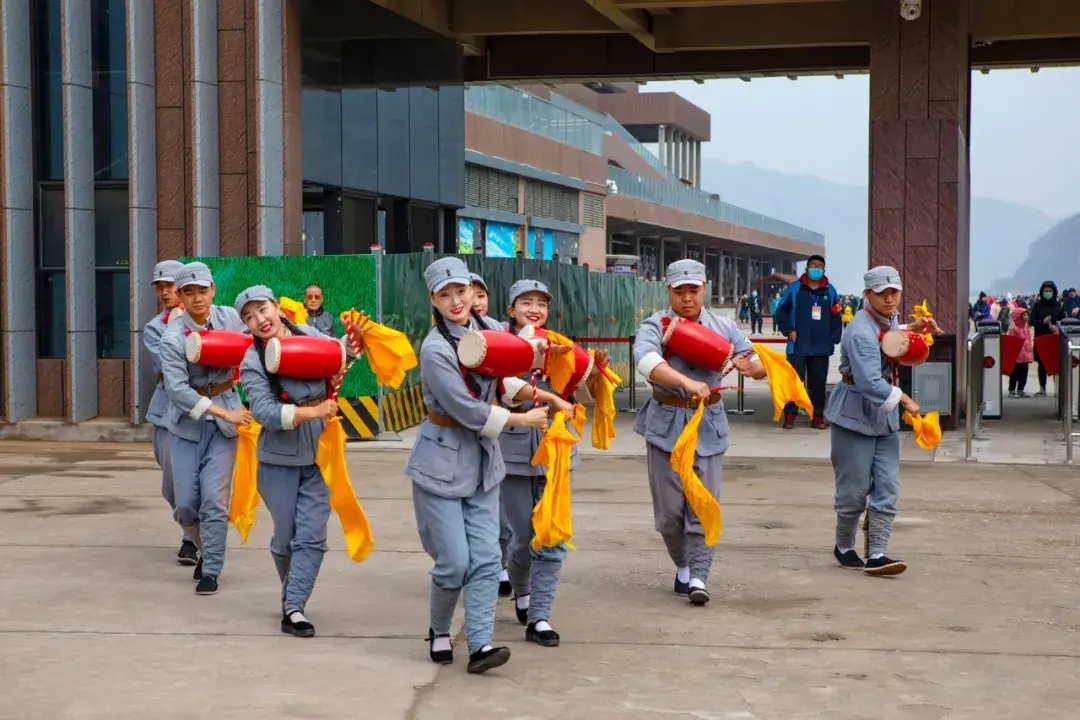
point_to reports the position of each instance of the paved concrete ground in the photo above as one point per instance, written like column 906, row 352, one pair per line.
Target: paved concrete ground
column 99, row 622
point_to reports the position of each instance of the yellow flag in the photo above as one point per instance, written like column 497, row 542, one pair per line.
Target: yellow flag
column 295, row 311
column 330, row 457
column 603, row 422
column 245, row 492
column 702, row 502
column 784, row 382
column 578, row 421
column 551, row 516
column 922, row 310
column 925, row 428
column 389, row 352
column 560, row 367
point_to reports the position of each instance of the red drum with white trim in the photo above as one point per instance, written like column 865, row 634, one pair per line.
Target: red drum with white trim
column 695, row 343
column 305, row 357
column 217, row 348
column 905, row 347
column 495, row 353
column 583, row 359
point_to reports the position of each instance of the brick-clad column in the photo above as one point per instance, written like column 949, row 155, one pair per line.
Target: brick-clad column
column 233, row 112
column 170, row 100
column 920, row 78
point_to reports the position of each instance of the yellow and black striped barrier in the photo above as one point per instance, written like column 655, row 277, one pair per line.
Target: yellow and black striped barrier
column 403, row 409
column 360, row 416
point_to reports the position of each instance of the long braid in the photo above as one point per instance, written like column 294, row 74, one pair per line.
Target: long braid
column 440, row 324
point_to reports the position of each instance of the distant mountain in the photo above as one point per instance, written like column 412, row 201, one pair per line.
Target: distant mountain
column 1002, row 231
column 1055, row 255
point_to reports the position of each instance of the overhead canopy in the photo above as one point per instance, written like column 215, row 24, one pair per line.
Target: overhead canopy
column 777, row 279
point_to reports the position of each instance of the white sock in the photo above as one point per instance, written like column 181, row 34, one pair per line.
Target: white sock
column 696, row 583
column 875, row 556
column 542, row 625
column 845, row 550
column 522, row 602
column 441, row 644
column 295, row 616
column 683, row 575
column 486, row 648
column 504, row 576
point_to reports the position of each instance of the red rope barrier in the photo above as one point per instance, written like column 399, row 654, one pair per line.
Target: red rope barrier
column 612, row 340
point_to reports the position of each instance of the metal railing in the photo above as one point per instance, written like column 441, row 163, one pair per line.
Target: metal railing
column 1066, row 382
column 974, row 408
column 696, row 202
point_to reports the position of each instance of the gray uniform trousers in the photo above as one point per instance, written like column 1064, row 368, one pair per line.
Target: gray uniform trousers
column 162, row 440
column 299, row 502
column 532, row 572
column 504, row 537
column 866, row 467
column 462, row 536
column 674, row 519
column 202, row 479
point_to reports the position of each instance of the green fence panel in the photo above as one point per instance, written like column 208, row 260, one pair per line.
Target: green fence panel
column 573, row 289
column 406, row 304
column 348, row 281
column 624, row 306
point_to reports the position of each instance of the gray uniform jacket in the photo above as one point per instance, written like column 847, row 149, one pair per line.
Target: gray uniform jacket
column 159, row 403
column 661, row 425
column 187, row 409
column 281, row 441
column 453, row 462
column 321, row 321
column 869, row 406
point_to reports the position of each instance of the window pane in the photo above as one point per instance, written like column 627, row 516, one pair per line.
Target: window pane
column 50, row 116
column 111, row 221
column 108, row 48
column 51, row 250
column 51, row 317
column 113, row 315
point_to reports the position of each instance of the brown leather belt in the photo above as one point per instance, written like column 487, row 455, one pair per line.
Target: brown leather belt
column 312, row 402
column 683, row 402
column 215, row 390
column 442, row 420
column 160, row 378
column 848, row 379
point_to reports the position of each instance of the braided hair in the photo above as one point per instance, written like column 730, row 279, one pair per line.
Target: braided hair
column 440, row 324
column 260, row 348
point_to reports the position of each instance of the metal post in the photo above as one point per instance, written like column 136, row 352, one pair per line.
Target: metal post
column 633, row 377
column 377, row 252
column 740, row 408
column 969, row 429
column 1070, row 402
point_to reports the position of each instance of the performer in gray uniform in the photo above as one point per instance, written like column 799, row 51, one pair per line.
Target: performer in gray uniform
column 677, row 387
column 204, row 410
column 533, row 574
column 456, row 468
column 293, row 414
column 866, row 424
column 164, row 280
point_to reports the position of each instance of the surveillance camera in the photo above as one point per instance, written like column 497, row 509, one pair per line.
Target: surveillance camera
column 910, row 9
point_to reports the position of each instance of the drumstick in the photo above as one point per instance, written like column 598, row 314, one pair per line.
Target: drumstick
column 363, row 322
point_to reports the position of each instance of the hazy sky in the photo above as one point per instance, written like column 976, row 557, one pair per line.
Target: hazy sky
column 1025, row 127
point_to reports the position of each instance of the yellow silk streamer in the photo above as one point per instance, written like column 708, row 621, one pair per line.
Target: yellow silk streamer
column 389, row 352
column 603, row 422
column 926, row 428
column 551, row 516
column 560, row 367
column 922, row 310
column 330, row 457
column 245, row 493
column 702, row 502
column 295, row 311
column 784, row 382
column 578, row 421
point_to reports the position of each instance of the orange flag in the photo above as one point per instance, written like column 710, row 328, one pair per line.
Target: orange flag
column 784, row 382
column 704, row 505
column 925, row 428
column 551, row 519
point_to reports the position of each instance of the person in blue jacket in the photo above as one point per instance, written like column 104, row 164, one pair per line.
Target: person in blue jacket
column 809, row 315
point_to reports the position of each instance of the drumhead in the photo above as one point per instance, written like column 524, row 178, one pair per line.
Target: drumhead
column 472, row 349
column 193, row 348
column 895, row 343
column 273, row 356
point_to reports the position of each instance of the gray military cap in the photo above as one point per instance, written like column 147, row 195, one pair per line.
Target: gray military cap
column 527, row 286
column 165, row 271
column 255, row 293
column 446, row 271
column 194, row 273
column 477, row 280
column 685, row 272
column 881, row 278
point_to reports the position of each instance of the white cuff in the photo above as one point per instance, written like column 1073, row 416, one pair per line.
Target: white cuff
column 893, row 401
column 582, row 394
column 538, row 354
column 649, row 363
column 200, row 408
column 288, row 417
column 496, row 422
column 512, row 386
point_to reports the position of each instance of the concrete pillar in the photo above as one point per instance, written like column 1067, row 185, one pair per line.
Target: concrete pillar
column 670, row 164
column 203, row 122
column 920, row 79
column 17, row 324
column 142, row 194
column 79, row 262
column 269, row 130
column 661, row 143
column 686, row 157
column 697, row 163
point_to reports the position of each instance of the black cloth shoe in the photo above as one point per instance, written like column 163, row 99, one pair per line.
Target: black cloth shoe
column 197, row 575
column 207, row 586
column 699, row 596
column 522, row 615
column 789, row 421
column 849, row 559
column 546, row 638
column 441, row 657
column 483, row 660
column 682, row 589
column 301, row 628
column 882, row 566
column 188, row 555
column 504, row 588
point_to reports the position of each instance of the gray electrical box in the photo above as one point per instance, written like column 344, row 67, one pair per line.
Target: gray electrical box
column 931, row 385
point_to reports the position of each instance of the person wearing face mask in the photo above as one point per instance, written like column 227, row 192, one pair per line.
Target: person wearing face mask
column 1046, row 312
column 809, row 314
column 757, row 309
